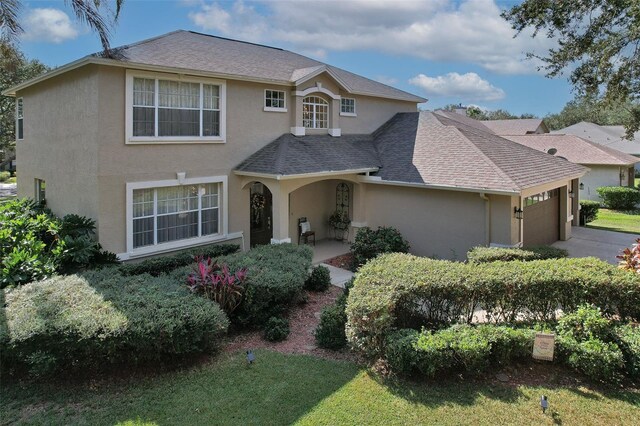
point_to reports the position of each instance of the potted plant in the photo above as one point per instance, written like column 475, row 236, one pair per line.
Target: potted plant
column 340, row 222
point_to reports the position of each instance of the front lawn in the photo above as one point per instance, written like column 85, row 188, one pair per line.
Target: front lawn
column 620, row 221
column 286, row 389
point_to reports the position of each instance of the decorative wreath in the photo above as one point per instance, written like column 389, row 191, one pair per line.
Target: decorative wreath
column 257, row 201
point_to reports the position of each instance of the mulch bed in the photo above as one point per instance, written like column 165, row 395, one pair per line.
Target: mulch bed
column 344, row 261
column 303, row 320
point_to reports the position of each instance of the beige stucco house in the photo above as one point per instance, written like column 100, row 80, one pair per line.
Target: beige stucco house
column 188, row 139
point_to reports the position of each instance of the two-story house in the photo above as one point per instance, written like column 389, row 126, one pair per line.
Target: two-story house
column 187, row 139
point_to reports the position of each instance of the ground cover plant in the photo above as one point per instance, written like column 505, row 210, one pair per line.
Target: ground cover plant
column 493, row 254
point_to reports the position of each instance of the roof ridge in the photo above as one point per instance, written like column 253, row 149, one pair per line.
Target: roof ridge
column 232, row 39
column 137, row 43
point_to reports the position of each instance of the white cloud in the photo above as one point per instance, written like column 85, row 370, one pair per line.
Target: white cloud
column 468, row 87
column 50, row 25
column 438, row 30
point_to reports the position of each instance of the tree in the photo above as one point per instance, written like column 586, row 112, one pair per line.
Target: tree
column 14, row 69
column 586, row 108
column 89, row 12
column 598, row 44
column 481, row 114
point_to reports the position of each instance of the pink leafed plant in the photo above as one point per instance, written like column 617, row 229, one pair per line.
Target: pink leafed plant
column 216, row 282
column 630, row 258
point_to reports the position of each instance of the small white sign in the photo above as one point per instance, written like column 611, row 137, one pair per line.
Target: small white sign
column 543, row 346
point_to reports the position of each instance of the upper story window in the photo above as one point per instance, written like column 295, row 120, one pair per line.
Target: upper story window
column 165, row 110
column 19, row 118
column 274, row 100
column 315, row 112
column 348, row 106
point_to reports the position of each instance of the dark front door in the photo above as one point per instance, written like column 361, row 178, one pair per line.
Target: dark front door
column 261, row 215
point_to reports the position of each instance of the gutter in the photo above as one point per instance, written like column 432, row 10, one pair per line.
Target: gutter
column 305, row 175
column 378, row 180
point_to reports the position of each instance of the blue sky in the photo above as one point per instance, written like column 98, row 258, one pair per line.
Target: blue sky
column 449, row 51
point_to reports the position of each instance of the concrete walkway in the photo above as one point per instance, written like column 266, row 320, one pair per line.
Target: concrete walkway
column 338, row 276
column 605, row 245
column 8, row 189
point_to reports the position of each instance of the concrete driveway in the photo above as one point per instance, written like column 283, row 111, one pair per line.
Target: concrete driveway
column 605, row 245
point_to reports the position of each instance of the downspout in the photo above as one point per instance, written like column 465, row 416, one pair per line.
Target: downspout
column 487, row 218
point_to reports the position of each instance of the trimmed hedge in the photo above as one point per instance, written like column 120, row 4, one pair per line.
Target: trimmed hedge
column 330, row 333
column 588, row 211
column 165, row 264
column 319, row 280
column 370, row 243
column 404, row 291
column 101, row 317
column 493, row 254
column 619, row 197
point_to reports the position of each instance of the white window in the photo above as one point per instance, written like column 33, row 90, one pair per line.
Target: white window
column 19, row 118
column 348, row 106
column 274, row 100
column 165, row 110
column 40, row 190
column 315, row 112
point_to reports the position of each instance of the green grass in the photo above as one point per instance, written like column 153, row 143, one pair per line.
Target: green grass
column 620, row 221
column 294, row 389
column 637, row 182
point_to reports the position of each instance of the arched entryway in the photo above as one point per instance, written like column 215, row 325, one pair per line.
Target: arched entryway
column 261, row 208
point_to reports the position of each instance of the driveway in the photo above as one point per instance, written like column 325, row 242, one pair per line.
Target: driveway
column 8, row 189
column 605, row 245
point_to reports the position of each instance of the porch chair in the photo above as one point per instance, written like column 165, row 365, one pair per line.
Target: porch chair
column 304, row 228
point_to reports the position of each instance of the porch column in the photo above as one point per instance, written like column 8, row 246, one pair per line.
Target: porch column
column 280, row 199
column 565, row 209
column 575, row 202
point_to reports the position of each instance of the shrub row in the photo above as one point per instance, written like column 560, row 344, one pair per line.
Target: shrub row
column 165, row 264
column 493, row 254
column 404, row 291
column 619, row 197
column 370, row 243
column 588, row 211
column 101, row 317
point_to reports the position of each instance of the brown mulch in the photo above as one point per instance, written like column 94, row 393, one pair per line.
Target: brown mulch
column 344, row 261
column 303, row 320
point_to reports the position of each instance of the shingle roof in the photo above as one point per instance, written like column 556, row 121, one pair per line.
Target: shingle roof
column 611, row 136
column 418, row 148
column 575, row 149
column 206, row 53
column 517, row 126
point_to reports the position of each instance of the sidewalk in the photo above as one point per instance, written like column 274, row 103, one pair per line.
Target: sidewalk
column 338, row 276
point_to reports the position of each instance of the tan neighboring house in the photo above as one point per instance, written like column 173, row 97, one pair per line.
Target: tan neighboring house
column 519, row 126
column 607, row 166
column 189, row 139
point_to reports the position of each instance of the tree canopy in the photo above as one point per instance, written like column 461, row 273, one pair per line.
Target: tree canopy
column 586, row 108
column 481, row 114
column 598, row 44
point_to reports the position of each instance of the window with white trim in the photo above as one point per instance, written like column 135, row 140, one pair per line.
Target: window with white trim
column 348, row 106
column 19, row 118
column 274, row 100
column 315, row 112
column 40, row 190
column 173, row 213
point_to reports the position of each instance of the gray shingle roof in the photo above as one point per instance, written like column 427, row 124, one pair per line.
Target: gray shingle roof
column 201, row 52
column 516, row 126
column 611, row 136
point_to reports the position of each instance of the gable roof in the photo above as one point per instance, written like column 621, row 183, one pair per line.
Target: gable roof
column 516, row 126
column 423, row 148
column 576, row 150
column 611, row 136
column 190, row 52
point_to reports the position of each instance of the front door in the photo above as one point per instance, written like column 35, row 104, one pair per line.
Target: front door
column 261, row 215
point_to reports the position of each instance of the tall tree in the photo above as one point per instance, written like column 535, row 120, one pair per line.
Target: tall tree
column 14, row 69
column 90, row 12
column 598, row 44
column 481, row 114
column 586, row 108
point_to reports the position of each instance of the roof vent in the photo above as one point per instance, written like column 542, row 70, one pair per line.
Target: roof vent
column 552, row 151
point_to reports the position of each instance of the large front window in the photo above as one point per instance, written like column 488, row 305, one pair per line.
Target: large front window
column 315, row 112
column 166, row 214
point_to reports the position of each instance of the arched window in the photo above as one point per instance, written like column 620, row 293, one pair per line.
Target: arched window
column 315, row 112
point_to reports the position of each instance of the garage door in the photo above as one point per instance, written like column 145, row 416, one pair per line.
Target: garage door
column 542, row 218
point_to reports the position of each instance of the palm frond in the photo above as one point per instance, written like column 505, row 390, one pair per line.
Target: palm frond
column 9, row 26
column 87, row 12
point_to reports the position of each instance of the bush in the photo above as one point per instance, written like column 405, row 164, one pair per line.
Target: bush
column 319, row 280
column 630, row 258
column 588, row 211
column 619, row 197
column 276, row 329
column 627, row 338
column 493, row 254
column 100, row 318
column 4, row 176
column 165, row 264
column 369, row 243
column 218, row 283
column 404, row 291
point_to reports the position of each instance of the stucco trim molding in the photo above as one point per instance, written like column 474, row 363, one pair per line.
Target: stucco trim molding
column 298, row 131
column 335, row 132
column 314, row 89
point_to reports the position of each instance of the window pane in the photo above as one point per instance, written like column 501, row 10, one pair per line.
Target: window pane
column 210, row 123
column 177, row 199
column 142, row 232
column 144, row 92
column 210, row 221
column 178, row 122
column 177, row 226
column 211, row 96
column 143, row 121
column 20, row 108
column 21, row 128
column 177, row 94
column 209, row 195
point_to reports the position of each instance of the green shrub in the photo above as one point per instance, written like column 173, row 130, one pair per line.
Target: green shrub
column 627, row 338
column 4, row 176
column 276, row 329
column 100, row 318
column 493, row 254
column 619, row 197
column 165, row 264
column 370, row 243
column 585, row 323
column 596, row 359
column 319, row 280
column 588, row 211
column 404, row 291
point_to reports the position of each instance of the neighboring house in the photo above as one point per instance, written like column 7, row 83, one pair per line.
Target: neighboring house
column 611, row 136
column 188, row 139
column 607, row 166
column 517, row 126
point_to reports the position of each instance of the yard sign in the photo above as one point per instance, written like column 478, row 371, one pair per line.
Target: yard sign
column 543, row 346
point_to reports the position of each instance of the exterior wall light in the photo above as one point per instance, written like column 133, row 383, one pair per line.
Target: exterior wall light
column 571, row 193
column 518, row 213
column 581, row 186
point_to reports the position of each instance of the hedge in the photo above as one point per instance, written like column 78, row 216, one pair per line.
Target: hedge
column 493, row 254
column 404, row 291
column 330, row 333
column 101, row 318
column 165, row 264
column 619, row 197
column 588, row 211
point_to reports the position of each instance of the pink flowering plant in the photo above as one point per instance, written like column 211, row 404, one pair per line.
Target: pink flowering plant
column 630, row 258
column 217, row 283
